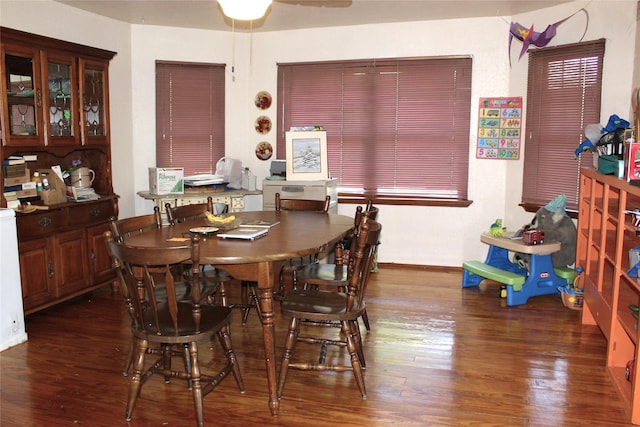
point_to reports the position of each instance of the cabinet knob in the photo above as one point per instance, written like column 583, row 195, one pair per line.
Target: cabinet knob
column 51, row 270
column 44, row 222
column 94, row 212
column 39, row 97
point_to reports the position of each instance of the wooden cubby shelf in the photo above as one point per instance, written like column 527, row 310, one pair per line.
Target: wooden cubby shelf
column 606, row 234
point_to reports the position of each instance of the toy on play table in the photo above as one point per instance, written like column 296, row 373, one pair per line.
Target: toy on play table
column 533, row 237
column 635, row 221
column 496, row 228
column 573, row 294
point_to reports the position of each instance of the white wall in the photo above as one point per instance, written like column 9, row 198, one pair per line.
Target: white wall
column 411, row 235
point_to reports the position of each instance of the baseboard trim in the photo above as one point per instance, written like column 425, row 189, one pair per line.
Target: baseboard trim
column 392, row 265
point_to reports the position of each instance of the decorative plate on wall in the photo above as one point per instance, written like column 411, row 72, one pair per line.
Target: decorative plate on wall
column 263, row 100
column 263, row 125
column 264, row 150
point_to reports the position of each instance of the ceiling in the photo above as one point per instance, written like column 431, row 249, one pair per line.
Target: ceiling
column 295, row 14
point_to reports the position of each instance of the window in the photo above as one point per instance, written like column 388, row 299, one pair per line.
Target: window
column 189, row 116
column 397, row 129
column 563, row 97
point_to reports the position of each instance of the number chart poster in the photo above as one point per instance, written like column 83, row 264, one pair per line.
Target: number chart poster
column 499, row 128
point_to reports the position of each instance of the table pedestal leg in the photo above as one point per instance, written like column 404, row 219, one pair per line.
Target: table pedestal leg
column 265, row 288
column 262, row 273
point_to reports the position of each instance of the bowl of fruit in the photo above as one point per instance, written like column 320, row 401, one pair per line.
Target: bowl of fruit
column 223, row 222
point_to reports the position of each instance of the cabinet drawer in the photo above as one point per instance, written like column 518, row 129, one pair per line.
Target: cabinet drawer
column 294, row 192
column 91, row 213
column 41, row 223
column 309, row 190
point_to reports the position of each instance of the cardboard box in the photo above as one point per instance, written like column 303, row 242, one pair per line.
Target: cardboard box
column 632, row 162
column 166, row 181
column 57, row 192
column 12, row 171
column 27, row 193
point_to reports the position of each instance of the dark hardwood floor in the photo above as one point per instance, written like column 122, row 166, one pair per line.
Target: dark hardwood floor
column 437, row 355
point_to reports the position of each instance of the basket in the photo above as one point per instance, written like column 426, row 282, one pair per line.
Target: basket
column 224, row 226
column 571, row 298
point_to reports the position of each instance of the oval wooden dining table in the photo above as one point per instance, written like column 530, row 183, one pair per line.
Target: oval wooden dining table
column 298, row 234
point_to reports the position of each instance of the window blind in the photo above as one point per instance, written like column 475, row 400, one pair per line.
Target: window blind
column 394, row 126
column 190, row 116
column 563, row 97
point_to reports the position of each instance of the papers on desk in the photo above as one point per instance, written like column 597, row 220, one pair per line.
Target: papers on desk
column 244, row 233
column 203, row 179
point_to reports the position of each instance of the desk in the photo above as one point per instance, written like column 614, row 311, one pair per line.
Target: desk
column 521, row 284
column 298, row 234
column 237, row 200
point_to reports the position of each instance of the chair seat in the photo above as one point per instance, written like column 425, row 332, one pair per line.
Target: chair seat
column 213, row 318
column 318, row 305
column 323, row 274
column 294, row 265
column 183, row 291
column 211, row 273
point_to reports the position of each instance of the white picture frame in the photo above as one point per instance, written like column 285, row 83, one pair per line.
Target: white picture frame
column 307, row 156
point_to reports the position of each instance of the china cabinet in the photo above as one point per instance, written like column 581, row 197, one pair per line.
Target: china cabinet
column 608, row 230
column 55, row 108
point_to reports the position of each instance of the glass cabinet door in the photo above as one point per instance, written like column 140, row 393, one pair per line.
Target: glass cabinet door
column 62, row 108
column 23, row 103
column 94, row 106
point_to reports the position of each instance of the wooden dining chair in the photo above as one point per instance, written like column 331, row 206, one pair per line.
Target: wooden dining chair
column 178, row 214
column 167, row 321
column 127, row 227
column 334, row 276
column 289, row 204
column 322, row 307
column 121, row 229
column 209, row 274
column 292, row 266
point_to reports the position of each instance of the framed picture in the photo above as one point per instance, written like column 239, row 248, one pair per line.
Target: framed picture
column 307, row 156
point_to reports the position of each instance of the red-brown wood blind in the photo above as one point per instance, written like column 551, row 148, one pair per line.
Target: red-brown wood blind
column 563, row 97
column 396, row 126
column 190, row 127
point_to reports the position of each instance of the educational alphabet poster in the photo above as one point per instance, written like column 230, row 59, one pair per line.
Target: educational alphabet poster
column 499, row 128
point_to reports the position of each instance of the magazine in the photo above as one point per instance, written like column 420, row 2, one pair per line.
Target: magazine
column 260, row 223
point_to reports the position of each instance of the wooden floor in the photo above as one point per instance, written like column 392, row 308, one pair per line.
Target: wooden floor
column 437, row 355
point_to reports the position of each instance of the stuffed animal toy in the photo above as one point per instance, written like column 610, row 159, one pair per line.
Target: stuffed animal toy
column 557, row 227
column 496, row 228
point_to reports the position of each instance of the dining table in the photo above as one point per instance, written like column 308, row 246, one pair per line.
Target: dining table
column 297, row 234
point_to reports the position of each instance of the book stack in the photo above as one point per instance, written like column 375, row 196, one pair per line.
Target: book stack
column 18, row 187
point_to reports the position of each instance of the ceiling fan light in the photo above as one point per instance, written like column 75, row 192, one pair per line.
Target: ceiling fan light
column 244, row 10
